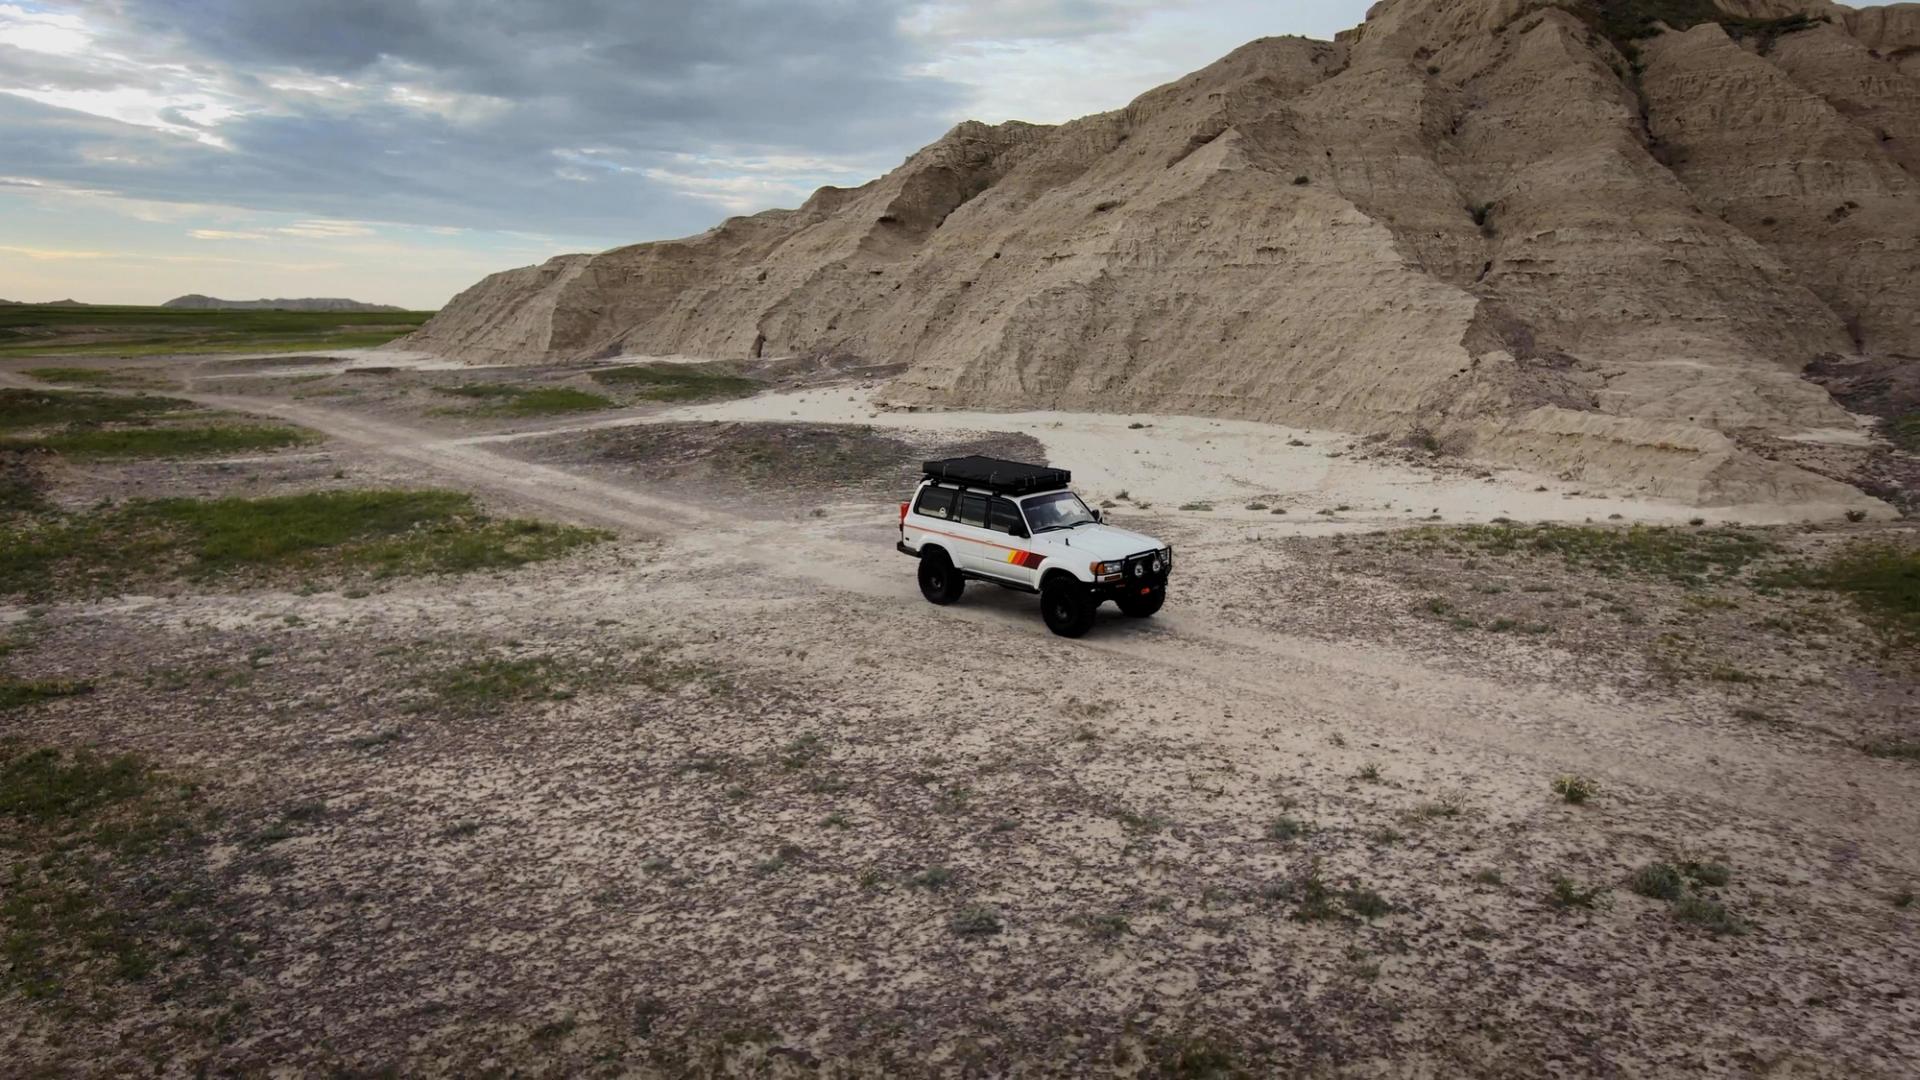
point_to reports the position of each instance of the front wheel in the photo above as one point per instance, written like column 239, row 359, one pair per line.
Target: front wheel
column 939, row 581
column 1141, row 605
column 1067, row 606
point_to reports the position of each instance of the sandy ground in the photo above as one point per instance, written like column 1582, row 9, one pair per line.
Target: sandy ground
column 761, row 867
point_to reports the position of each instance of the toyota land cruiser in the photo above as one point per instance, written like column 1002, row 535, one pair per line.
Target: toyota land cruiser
column 1020, row 527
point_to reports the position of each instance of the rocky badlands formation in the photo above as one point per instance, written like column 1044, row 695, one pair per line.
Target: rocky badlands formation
column 1598, row 237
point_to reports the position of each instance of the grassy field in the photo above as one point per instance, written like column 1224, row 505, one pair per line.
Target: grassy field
column 91, row 426
column 381, row 533
column 41, row 330
column 677, row 382
column 494, row 400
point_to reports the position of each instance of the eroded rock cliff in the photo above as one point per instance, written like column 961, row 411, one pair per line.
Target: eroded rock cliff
column 1604, row 237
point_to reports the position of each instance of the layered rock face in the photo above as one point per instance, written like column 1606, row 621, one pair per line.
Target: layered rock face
column 1499, row 221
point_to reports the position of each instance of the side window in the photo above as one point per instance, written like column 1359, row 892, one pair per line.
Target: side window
column 936, row 502
column 1002, row 516
column 973, row 509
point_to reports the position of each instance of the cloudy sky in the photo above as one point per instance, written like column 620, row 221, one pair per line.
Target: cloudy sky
column 396, row 150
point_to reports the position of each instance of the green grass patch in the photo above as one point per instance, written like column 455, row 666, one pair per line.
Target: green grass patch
column 15, row 693
column 87, row 899
column 22, row 487
column 497, row 400
column 384, row 533
column 677, row 382
column 1711, row 914
column 86, row 425
column 1884, row 579
column 44, row 330
column 96, row 444
column 490, row 684
column 1896, row 749
column 1688, row 556
column 1903, row 431
column 27, row 410
column 81, row 376
column 1658, row 881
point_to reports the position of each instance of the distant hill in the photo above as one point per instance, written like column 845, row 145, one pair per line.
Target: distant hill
column 196, row 302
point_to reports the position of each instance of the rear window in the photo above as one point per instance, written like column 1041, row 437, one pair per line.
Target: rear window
column 936, row 502
column 973, row 509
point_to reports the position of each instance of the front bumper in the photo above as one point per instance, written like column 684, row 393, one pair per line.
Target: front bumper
column 1139, row 575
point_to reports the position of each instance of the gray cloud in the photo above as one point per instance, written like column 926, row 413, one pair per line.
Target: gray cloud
column 472, row 112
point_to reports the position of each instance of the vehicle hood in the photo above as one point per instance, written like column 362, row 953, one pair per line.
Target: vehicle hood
column 1099, row 541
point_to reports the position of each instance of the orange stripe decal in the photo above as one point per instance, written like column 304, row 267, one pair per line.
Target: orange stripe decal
column 1027, row 559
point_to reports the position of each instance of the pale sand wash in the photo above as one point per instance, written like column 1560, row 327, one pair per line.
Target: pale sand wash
column 1172, row 461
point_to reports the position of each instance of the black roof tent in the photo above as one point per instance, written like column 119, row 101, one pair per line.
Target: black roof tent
column 995, row 474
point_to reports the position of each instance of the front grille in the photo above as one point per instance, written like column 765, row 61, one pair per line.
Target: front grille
column 1139, row 569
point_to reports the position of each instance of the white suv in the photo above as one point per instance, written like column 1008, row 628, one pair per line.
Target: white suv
column 984, row 519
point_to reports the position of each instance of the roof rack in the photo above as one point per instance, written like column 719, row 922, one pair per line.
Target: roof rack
column 997, row 475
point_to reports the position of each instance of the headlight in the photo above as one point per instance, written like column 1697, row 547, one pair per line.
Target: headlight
column 1168, row 555
column 1108, row 567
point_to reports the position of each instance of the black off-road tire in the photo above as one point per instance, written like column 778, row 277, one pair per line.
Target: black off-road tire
column 1141, row 606
column 939, row 581
column 1067, row 606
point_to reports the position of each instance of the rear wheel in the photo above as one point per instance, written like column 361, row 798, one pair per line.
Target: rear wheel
column 939, row 581
column 1140, row 605
column 1067, row 606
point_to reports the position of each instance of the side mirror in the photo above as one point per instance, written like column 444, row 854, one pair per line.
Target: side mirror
column 1098, row 516
column 1021, row 532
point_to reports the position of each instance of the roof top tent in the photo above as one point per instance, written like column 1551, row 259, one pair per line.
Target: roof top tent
column 997, row 475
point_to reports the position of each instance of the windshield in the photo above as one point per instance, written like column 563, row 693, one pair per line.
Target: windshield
column 1056, row 510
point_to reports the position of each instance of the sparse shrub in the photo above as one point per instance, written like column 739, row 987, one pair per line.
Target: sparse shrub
column 1256, row 505
column 1103, row 927
column 1366, row 903
column 1711, row 874
column 1370, row 772
column 933, row 877
column 1575, row 789
column 1489, row 876
column 1856, row 515
column 1568, row 894
column 1710, row 914
column 1658, row 881
column 1287, row 828
column 1200, row 506
column 975, row 921
column 1301, row 181
column 15, row 693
